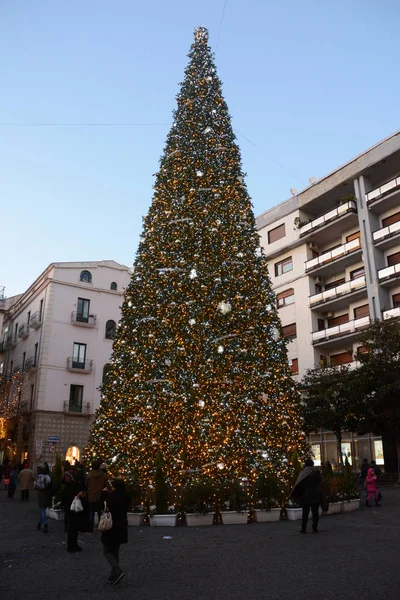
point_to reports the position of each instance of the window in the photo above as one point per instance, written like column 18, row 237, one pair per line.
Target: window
column 341, row 359
column 106, row 370
column 333, row 284
column 82, row 312
column 113, row 286
column 35, row 355
column 11, row 367
column 289, row 331
column 111, row 327
column 393, row 259
column 276, row 234
column 31, row 398
column 284, row 266
column 28, row 320
column 362, row 350
column 294, row 367
column 361, row 311
column 357, row 273
column 338, row 320
column 73, row 455
column 353, row 236
column 86, row 277
column 285, row 298
column 40, row 310
column 16, row 331
column 396, row 300
column 75, row 398
column 79, row 356
column 23, row 361
column 390, row 220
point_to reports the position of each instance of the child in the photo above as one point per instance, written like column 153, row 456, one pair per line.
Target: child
column 371, row 486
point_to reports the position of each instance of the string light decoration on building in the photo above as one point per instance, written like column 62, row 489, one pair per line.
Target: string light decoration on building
column 199, row 374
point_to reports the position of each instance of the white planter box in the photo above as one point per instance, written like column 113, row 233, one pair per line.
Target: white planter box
column 231, row 517
column 135, row 519
column 294, row 514
column 198, row 520
column 352, row 505
column 55, row 513
column 266, row 516
column 163, row 520
column 335, row 508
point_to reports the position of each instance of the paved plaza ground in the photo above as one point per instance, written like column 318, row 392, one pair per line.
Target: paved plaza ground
column 356, row 556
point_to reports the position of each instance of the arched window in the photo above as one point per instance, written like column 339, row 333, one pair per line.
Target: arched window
column 113, row 286
column 73, row 455
column 111, row 327
column 86, row 277
column 106, row 370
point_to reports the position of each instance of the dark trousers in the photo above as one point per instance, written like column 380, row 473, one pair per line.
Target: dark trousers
column 111, row 552
column 94, row 507
column 11, row 490
column 25, row 495
column 315, row 516
column 73, row 531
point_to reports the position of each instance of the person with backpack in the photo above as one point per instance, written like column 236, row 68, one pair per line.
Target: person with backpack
column 44, row 490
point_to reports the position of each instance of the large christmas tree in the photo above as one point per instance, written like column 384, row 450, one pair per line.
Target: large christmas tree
column 199, row 376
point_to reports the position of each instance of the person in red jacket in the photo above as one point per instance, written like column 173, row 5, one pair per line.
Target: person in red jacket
column 371, row 486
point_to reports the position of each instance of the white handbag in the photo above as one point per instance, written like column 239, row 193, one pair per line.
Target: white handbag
column 76, row 505
column 106, row 522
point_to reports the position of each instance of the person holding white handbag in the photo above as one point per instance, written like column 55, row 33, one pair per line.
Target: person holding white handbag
column 114, row 527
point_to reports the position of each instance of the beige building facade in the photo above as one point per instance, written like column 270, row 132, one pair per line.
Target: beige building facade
column 333, row 253
column 57, row 338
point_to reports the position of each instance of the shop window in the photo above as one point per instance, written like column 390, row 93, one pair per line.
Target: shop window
column 338, row 320
column 73, row 455
column 294, row 367
column 285, row 298
column 390, row 220
column 361, row 311
column 283, row 266
column 276, row 234
column 289, row 331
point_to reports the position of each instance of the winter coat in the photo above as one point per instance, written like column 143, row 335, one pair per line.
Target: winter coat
column 364, row 469
column 44, row 497
column 96, row 481
column 371, row 481
column 118, row 505
column 26, row 479
column 74, row 484
column 309, row 489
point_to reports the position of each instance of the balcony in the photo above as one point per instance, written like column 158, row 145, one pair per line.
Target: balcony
column 334, row 260
column 335, row 335
column 83, row 320
column 386, row 195
column 23, row 331
column 79, row 366
column 339, row 296
column 30, row 364
column 35, row 321
column 392, row 312
column 73, row 408
column 347, row 208
column 384, row 237
column 389, row 275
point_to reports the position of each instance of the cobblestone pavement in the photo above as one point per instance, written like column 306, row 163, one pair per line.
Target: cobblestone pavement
column 355, row 555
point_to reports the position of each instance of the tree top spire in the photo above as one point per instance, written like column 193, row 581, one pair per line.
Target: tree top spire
column 201, row 34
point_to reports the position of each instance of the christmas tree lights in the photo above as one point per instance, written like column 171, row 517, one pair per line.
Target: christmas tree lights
column 199, row 373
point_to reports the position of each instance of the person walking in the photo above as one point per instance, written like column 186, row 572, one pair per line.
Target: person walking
column 96, row 481
column 308, row 492
column 75, row 521
column 44, row 495
column 372, row 486
column 12, row 481
column 26, row 481
column 117, row 502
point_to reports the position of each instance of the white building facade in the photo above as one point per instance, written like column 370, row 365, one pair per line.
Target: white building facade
column 333, row 253
column 58, row 335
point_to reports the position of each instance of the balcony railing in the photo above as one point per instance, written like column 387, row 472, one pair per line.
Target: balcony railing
column 331, row 255
column 80, row 366
column 77, row 408
column 392, row 312
column 23, row 330
column 389, row 272
column 388, row 187
column 30, row 364
column 341, row 290
column 386, row 232
column 340, row 330
column 341, row 210
column 84, row 320
column 35, row 321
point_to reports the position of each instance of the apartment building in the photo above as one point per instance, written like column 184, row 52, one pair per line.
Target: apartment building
column 57, row 340
column 333, row 252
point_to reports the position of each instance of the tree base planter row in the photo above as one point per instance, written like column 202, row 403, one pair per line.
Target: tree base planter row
column 163, row 520
column 199, row 520
column 266, row 516
column 231, row 517
column 135, row 519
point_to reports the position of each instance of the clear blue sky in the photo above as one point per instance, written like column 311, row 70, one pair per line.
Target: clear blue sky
column 310, row 83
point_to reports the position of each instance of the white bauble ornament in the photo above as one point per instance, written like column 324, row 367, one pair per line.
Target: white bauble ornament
column 220, row 349
column 192, row 321
column 201, row 403
column 193, row 274
column 224, row 307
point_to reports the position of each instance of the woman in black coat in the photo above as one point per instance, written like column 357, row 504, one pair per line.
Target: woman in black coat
column 118, row 505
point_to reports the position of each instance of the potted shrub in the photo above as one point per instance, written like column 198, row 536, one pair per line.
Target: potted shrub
column 234, row 503
column 268, row 494
column 197, row 503
column 162, row 514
